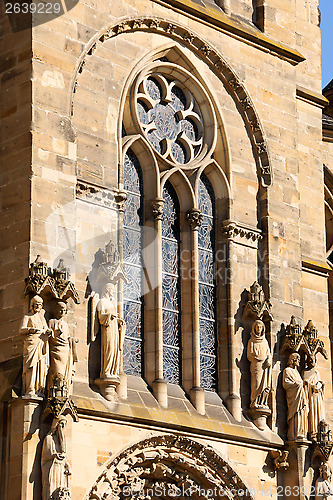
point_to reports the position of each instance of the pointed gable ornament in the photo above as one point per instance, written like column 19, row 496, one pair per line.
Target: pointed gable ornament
column 43, row 280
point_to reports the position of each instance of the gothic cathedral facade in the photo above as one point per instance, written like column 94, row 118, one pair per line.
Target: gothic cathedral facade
column 166, row 208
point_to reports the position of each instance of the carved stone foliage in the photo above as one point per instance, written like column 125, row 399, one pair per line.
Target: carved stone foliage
column 213, row 59
column 305, row 342
column 168, row 466
column 42, row 279
column 257, row 307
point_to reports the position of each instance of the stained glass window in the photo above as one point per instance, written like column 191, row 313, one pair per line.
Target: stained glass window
column 171, row 119
column 132, row 296
column 171, row 286
column 207, row 286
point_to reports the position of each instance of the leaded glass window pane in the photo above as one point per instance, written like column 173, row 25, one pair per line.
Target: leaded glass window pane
column 207, row 292
column 132, row 296
column 171, row 286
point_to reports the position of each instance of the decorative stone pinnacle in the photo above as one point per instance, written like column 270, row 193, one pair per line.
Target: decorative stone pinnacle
column 157, row 208
column 194, row 217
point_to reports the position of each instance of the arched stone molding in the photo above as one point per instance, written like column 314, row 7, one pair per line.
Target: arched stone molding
column 172, row 464
column 150, row 171
column 212, row 57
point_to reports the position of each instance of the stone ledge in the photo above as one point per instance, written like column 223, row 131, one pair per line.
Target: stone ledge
column 180, row 416
column 215, row 17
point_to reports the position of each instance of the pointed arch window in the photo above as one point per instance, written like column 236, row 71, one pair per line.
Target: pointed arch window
column 207, row 291
column 171, row 285
column 132, row 244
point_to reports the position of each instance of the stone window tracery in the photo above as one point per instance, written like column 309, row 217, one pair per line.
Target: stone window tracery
column 206, row 247
column 132, row 292
column 171, row 125
column 171, row 285
column 170, row 118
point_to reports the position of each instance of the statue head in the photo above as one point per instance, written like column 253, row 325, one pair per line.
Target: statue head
column 311, row 362
column 36, row 304
column 326, row 472
column 60, row 421
column 109, row 291
column 61, row 310
column 258, row 330
column 294, row 360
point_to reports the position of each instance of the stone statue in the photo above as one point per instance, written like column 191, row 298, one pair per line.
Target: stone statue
column 63, row 354
column 55, row 467
column 296, row 399
column 112, row 332
column 259, row 355
column 314, row 388
column 35, row 349
column 323, row 489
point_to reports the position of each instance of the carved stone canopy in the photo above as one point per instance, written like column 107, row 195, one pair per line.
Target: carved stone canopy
column 305, row 342
column 257, row 306
column 324, row 445
column 173, row 465
column 107, row 267
column 58, row 402
column 43, row 280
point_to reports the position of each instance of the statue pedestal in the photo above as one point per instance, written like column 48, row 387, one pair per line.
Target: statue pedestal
column 259, row 416
column 107, row 387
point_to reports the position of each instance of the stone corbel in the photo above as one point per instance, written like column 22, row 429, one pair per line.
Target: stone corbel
column 241, row 234
column 280, row 459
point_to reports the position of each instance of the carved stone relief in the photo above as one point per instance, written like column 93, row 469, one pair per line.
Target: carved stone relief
column 259, row 355
column 297, row 401
column 104, row 317
column 35, row 349
column 173, row 465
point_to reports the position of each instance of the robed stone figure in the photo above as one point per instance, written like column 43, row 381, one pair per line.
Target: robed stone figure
column 112, row 333
column 63, row 355
column 323, row 489
column 314, row 388
column 259, row 355
column 296, row 399
column 55, row 467
column 35, row 349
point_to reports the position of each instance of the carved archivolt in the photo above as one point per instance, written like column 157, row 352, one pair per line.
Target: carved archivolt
column 168, row 466
column 212, row 58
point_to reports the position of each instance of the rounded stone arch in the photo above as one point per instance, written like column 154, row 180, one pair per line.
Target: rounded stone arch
column 167, row 465
column 211, row 56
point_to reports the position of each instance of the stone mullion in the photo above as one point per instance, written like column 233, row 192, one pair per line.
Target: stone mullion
column 159, row 384
column 120, row 199
column 196, row 393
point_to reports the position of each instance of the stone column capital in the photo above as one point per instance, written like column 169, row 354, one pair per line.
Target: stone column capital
column 157, row 208
column 120, row 199
column 194, row 217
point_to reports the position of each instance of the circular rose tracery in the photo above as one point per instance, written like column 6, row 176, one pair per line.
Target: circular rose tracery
column 171, row 118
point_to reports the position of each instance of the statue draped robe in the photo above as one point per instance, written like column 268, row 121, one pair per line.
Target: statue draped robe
column 297, row 404
column 35, row 354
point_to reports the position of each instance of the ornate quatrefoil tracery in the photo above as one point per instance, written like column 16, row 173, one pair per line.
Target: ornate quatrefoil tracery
column 174, row 113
